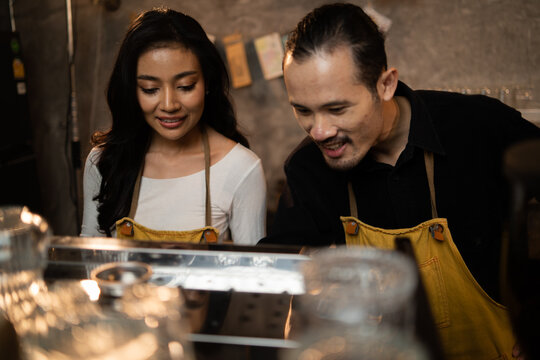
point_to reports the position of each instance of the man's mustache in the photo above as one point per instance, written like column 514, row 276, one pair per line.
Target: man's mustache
column 339, row 139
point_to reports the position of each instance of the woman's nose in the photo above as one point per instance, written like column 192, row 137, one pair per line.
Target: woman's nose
column 170, row 101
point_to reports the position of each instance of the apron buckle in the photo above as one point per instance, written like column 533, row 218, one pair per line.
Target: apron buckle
column 351, row 228
column 126, row 228
column 437, row 232
column 209, row 236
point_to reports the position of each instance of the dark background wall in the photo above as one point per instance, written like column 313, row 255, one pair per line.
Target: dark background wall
column 467, row 46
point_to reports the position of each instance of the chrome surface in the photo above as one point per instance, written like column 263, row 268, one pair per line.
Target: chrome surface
column 237, row 268
column 237, row 297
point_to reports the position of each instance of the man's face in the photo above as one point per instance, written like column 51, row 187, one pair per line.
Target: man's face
column 340, row 114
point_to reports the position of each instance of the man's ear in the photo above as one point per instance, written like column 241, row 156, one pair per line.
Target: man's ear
column 387, row 84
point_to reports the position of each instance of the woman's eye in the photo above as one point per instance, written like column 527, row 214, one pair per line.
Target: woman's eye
column 149, row 90
column 187, row 87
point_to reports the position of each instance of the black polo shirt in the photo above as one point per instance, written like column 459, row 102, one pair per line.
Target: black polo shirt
column 467, row 134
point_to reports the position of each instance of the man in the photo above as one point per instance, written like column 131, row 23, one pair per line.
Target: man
column 382, row 160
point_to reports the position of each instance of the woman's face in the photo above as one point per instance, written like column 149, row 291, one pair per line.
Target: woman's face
column 170, row 91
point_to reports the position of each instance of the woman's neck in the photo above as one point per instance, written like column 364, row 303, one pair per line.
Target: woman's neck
column 190, row 143
column 172, row 159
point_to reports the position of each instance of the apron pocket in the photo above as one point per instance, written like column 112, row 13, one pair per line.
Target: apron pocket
column 432, row 278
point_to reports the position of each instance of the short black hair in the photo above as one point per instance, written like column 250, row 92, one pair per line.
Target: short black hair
column 341, row 24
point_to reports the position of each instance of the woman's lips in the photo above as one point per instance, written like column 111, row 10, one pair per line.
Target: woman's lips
column 171, row 122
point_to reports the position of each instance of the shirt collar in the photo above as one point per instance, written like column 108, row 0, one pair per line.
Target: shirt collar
column 422, row 133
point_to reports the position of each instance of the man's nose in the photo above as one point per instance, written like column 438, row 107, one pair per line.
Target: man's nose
column 322, row 128
column 169, row 100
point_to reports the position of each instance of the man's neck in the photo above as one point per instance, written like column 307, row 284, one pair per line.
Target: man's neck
column 389, row 150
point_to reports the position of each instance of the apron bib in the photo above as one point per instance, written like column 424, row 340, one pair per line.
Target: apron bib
column 471, row 324
column 127, row 228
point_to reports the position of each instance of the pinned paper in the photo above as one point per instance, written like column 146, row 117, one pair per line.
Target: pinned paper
column 211, row 37
column 270, row 54
column 18, row 69
column 284, row 39
column 236, row 57
column 21, row 88
column 382, row 21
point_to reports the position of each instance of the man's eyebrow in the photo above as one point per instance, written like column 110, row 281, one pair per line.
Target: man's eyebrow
column 176, row 77
column 295, row 104
column 329, row 104
column 337, row 103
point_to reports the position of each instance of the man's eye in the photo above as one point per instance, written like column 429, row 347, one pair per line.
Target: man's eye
column 149, row 90
column 337, row 110
column 302, row 111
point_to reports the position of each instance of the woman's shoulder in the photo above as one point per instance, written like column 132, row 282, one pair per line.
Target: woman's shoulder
column 91, row 164
column 242, row 153
column 239, row 163
column 222, row 147
column 94, row 155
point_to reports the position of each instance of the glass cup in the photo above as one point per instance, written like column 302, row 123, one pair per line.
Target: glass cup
column 145, row 323
column 356, row 342
column 359, row 285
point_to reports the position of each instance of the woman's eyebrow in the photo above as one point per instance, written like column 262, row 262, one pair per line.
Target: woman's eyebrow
column 176, row 77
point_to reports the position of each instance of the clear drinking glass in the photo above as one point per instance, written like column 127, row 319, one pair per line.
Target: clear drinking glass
column 145, row 323
column 355, row 342
column 359, row 285
column 59, row 321
column 23, row 250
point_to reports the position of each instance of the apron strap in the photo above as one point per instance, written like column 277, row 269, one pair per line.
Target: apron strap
column 206, row 146
column 135, row 196
column 208, row 209
column 352, row 201
column 428, row 161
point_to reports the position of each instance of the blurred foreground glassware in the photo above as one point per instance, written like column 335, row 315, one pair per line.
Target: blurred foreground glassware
column 359, row 285
column 145, row 323
column 161, row 313
column 23, row 249
column 353, row 343
column 59, row 321
column 114, row 278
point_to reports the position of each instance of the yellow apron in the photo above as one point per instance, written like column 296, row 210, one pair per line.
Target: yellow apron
column 127, row 228
column 471, row 324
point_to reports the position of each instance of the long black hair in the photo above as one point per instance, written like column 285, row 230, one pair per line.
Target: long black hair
column 124, row 145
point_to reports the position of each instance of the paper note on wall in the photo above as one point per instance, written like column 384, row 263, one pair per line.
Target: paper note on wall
column 236, row 57
column 284, row 39
column 382, row 21
column 270, row 54
column 211, row 37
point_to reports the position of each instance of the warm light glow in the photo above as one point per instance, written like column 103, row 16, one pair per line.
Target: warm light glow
column 176, row 350
column 91, row 288
column 26, row 216
column 151, row 322
column 34, row 289
column 164, row 293
column 142, row 347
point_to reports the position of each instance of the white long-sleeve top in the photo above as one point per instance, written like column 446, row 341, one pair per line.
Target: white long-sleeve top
column 237, row 195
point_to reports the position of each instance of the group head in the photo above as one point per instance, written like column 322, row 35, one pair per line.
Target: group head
column 338, row 81
column 163, row 29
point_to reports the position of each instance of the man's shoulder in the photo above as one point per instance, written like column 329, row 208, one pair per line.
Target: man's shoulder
column 474, row 119
column 477, row 113
column 447, row 101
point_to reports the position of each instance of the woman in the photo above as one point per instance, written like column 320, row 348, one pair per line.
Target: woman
column 151, row 176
